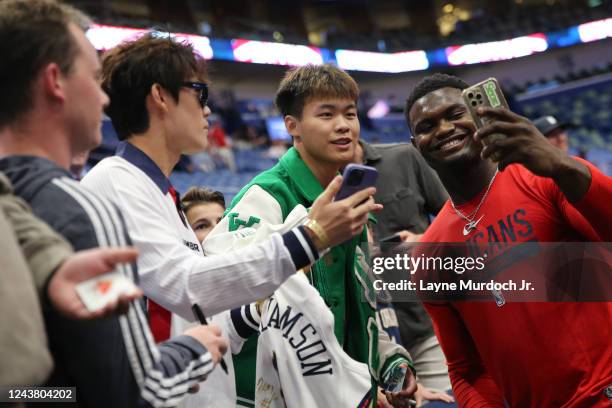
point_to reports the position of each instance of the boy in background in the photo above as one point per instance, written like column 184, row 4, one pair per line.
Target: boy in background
column 204, row 209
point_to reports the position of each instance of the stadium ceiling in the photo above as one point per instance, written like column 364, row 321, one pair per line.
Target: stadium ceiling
column 372, row 25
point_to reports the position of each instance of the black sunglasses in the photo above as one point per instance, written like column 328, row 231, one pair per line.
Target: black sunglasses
column 202, row 88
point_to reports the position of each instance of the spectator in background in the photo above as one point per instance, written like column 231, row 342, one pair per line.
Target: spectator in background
column 51, row 110
column 228, row 109
column 554, row 131
column 408, row 188
column 219, row 145
column 204, row 209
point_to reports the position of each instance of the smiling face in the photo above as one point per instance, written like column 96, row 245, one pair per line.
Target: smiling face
column 327, row 131
column 443, row 129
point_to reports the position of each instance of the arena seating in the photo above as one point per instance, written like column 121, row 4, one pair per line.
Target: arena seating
column 585, row 106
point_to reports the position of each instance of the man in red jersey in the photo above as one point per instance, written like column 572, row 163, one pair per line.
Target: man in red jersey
column 517, row 354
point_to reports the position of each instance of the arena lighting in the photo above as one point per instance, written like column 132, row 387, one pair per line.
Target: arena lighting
column 379, row 110
column 260, row 52
column 382, row 62
column 563, row 38
column 496, row 50
column 596, row 30
column 104, row 37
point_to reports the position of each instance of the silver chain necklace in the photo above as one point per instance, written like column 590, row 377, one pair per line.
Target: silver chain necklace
column 471, row 224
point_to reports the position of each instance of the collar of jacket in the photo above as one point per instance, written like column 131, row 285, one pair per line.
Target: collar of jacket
column 140, row 159
column 300, row 174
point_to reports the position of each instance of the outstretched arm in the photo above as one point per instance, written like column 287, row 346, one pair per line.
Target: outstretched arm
column 582, row 185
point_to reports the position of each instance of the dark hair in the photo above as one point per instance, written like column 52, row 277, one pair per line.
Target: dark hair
column 200, row 195
column 33, row 33
column 132, row 68
column 430, row 84
column 313, row 81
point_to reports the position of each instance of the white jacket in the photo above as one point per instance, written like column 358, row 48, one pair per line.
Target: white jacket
column 299, row 360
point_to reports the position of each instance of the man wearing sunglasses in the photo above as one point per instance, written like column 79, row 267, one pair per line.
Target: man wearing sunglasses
column 202, row 91
column 158, row 97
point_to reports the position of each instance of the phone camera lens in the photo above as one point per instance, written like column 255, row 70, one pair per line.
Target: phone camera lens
column 474, row 103
column 470, row 95
column 478, row 96
column 355, row 178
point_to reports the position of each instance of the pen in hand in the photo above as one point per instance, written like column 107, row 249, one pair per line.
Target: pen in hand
column 199, row 315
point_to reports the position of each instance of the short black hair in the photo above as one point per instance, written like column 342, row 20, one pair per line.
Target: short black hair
column 430, row 84
column 301, row 84
column 131, row 68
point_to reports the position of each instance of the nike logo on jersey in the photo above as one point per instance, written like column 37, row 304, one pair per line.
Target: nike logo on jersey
column 471, row 226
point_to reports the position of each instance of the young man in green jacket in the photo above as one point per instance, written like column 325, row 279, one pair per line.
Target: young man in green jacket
column 319, row 106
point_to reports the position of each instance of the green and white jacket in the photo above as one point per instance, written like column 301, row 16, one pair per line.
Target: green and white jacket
column 276, row 201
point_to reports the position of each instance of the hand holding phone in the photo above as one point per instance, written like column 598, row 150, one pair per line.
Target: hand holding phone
column 485, row 93
column 356, row 177
column 342, row 219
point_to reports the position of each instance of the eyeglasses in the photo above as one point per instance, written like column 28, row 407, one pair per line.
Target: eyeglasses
column 202, row 88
